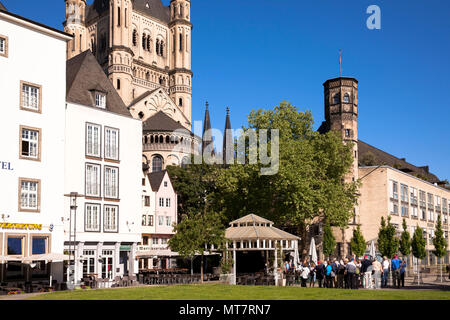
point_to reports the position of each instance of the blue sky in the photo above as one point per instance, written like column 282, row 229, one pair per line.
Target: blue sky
column 255, row 53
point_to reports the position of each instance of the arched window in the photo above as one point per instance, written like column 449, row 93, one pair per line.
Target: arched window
column 149, row 44
column 152, row 139
column 181, row 42
column 167, row 139
column 144, row 41
column 146, row 140
column 160, row 80
column 147, row 76
column 141, row 115
column 161, row 139
column 135, row 37
column 336, row 98
column 180, row 102
column 118, row 84
column 156, row 139
column 184, row 162
column 161, row 48
column 157, row 46
column 157, row 164
column 346, row 98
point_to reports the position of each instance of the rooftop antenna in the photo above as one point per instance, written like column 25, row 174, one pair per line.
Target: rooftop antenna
column 340, row 63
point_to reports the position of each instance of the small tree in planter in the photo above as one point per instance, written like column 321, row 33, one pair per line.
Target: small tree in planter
column 440, row 245
column 226, row 264
column 358, row 243
column 418, row 248
column 329, row 242
column 405, row 241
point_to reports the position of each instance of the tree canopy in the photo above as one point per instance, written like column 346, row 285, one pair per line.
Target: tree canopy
column 405, row 240
column 388, row 243
column 358, row 243
column 440, row 245
column 418, row 244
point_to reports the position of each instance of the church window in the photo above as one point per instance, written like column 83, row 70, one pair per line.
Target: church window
column 118, row 84
column 180, row 102
column 73, row 42
column 160, row 80
column 118, row 17
column 144, row 41
column 149, row 43
column 126, row 22
column 161, row 49
column 152, row 140
column 141, row 115
column 336, row 98
column 167, row 139
column 135, row 36
column 157, row 46
column 181, row 42
column 346, row 98
column 157, row 164
column 348, row 133
column 147, row 76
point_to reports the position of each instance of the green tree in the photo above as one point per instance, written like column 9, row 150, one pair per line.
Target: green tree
column 418, row 247
column 440, row 245
column 197, row 233
column 308, row 187
column 388, row 243
column 329, row 242
column 358, row 243
column 405, row 240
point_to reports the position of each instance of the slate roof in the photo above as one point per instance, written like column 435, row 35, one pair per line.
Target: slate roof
column 143, row 96
column 85, row 76
column 384, row 158
column 151, row 8
column 2, row 7
column 162, row 122
column 156, row 178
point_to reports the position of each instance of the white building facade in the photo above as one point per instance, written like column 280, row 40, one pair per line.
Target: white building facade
column 32, row 87
column 103, row 163
column 159, row 216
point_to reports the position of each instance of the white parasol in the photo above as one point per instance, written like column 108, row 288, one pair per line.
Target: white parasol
column 313, row 251
column 372, row 251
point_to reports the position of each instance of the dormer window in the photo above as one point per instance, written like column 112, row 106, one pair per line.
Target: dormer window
column 100, row 100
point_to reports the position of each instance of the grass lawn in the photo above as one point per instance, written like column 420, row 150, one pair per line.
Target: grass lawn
column 224, row 292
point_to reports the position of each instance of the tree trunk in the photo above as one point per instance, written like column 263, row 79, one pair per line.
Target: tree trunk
column 201, row 271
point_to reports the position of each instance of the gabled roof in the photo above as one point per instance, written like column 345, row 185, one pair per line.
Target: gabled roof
column 156, row 178
column 153, row 8
column 251, row 218
column 2, row 7
column 85, row 76
column 384, row 158
column 162, row 122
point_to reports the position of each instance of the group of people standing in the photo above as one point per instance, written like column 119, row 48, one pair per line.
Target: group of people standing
column 353, row 273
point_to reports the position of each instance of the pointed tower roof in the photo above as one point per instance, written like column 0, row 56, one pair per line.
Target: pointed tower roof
column 2, row 7
column 228, row 153
column 207, row 136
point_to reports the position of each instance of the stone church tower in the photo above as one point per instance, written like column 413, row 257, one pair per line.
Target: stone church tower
column 341, row 114
column 144, row 48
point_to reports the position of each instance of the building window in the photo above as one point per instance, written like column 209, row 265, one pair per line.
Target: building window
column 15, row 246
column 111, row 182
column 438, row 203
column 413, row 196
column 38, row 246
column 29, row 195
column 423, row 214
column 93, row 144
column 118, row 84
column 346, row 98
column 431, row 215
column 135, row 37
column 92, row 218
column 155, row 241
column 336, row 98
column 30, row 97
column 394, row 207
column 168, row 202
column 414, row 212
column 405, row 211
column 180, row 102
column 30, row 141
column 157, row 164
column 169, row 221
column 422, row 199
column 348, row 133
column 394, row 189
column 160, row 221
column 430, row 201
column 165, row 184
column 100, row 100
column 147, row 201
column 110, row 219
column 92, row 180
column 181, row 42
column 111, row 143
column 157, row 46
column 118, row 17
column 150, row 221
column 164, row 241
column 144, row 220
column 161, row 202
column 444, row 205
column 404, row 193
column 3, row 46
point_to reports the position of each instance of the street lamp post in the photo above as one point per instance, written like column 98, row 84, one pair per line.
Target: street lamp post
column 73, row 209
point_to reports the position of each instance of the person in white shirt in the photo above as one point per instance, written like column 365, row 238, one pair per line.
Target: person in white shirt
column 304, row 275
column 386, row 265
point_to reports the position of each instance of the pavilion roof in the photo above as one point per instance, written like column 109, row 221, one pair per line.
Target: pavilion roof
column 252, row 227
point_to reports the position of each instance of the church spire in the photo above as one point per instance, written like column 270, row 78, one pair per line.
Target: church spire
column 207, row 135
column 228, row 142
